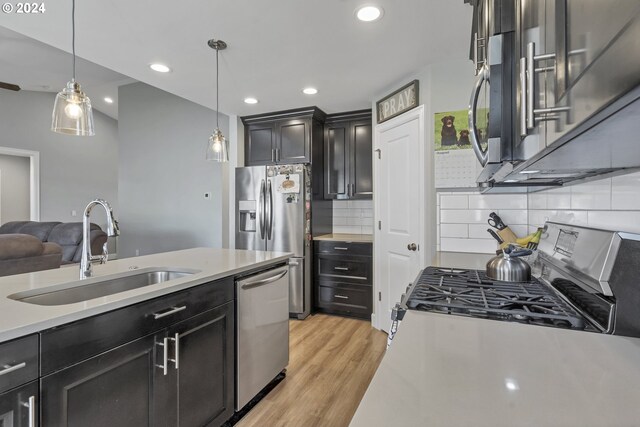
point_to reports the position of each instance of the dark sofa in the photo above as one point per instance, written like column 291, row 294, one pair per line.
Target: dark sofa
column 23, row 253
column 66, row 234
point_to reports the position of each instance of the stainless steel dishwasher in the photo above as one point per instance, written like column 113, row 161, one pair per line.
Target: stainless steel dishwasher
column 262, row 350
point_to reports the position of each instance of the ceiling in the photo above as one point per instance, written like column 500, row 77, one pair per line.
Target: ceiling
column 276, row 47
column 36, row 66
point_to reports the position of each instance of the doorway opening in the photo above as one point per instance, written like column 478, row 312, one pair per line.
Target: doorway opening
column 20, row 191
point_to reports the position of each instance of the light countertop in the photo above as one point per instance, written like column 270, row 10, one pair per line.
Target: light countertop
column 341, row 237
column 20, row 318
column 445, row 370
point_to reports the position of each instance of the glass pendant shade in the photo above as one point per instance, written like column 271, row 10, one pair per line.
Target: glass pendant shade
column 72, row 113
column 217, row 149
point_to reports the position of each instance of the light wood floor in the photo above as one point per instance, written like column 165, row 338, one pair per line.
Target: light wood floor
column 331, row 362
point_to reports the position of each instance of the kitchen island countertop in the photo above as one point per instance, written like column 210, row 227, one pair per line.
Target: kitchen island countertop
column 20, row 318
column 446, row 370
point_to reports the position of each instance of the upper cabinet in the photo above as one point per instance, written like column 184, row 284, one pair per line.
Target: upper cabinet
column 348, row 156
column 285, row 137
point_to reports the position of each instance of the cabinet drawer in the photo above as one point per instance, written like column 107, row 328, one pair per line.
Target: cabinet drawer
column 336, row 267
column 18, row 362
column 67, row 344
column 355, row 299
column 344, row 248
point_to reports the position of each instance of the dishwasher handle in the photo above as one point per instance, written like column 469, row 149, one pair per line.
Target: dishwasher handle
column 261, row 282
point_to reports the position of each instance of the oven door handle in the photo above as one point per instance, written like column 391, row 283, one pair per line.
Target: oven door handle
column 482, row 155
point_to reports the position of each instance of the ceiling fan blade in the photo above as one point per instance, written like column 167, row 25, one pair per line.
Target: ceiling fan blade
column 9, row 86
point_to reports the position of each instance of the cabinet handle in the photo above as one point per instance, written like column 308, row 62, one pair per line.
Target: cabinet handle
column 176, row 349
column 9, row 368
column 173, row 310
column 532, row 112
column 277, row 154
column 273, row 155
column 341, row 296
column 31, row 405
column 340, row 248
column 341, row 268
column 165, row 355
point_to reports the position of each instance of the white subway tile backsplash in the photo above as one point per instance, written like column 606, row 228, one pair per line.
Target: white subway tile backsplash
column 594, row 195
column 454, row 230
column 353, row 218
column 484, row 246
column 362, row 204
column 454, row 202
column 479, row 231
column 498, row 201
column 625, row 192
column 511, row 217
column 347, row 229
column 471, row 216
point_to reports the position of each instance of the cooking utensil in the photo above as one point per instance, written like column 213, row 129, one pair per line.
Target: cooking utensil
column 495, row 236
column 509, row 267
column 496, row 222
column 533, row 243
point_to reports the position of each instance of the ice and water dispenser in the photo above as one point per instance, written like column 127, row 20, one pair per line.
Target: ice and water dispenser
column 247, row 209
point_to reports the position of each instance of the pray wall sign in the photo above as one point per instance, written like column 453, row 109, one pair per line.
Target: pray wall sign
column 403, row 99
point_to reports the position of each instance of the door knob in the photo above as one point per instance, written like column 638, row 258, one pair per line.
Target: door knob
column 412, row 247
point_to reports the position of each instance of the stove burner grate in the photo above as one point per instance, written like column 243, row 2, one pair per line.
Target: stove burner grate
column 471, row 293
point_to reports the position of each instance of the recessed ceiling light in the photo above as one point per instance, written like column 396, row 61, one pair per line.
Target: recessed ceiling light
column 161, row 68
column 529, row 172
column 108, row 100
column 250, row 101
column 310, row 90
column 369, row 13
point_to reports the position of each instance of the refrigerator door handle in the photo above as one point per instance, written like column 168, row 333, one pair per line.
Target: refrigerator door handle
column 270, row 203
column 261, row 208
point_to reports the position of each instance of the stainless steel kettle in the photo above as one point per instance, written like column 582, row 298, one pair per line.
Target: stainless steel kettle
column 508, row 267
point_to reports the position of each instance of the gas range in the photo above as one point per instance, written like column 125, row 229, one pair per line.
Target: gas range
column 587, row 279
column 471, row 293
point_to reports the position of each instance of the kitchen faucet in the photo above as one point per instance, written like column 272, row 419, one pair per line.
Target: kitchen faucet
column 112, row 230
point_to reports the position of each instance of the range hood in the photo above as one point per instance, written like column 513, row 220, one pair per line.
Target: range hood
column 606, row 144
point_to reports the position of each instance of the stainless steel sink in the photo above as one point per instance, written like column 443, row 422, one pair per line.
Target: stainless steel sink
column 98, row 287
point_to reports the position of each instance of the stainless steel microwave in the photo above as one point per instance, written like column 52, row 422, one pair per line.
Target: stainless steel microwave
column 563, row 91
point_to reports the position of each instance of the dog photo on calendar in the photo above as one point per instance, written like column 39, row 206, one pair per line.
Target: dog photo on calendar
column 451, row 129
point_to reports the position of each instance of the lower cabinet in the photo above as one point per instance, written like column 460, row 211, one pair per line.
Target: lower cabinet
column 19, row 406
column 342, row 279
column 122, row 387
column 178, row 370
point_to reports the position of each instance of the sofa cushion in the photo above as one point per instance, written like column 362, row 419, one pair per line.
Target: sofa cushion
column 41, row 230
column 15, row 246
column 12, row 227
column 50, row 258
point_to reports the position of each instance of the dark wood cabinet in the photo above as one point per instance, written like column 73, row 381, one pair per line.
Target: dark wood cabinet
column 19, row 406
column 116, row 388
column 343, row 278
column 204, row 346
column 284, row 137
column 348, row 145
column 178, row 370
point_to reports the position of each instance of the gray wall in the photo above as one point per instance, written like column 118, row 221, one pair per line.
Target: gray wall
column 163, row 174
column 14, row 188
column 73, row 170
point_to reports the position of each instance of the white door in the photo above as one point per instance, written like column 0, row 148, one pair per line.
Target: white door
column 399, row 209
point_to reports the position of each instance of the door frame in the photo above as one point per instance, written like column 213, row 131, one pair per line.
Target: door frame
column 34, row 177
column 419, row 114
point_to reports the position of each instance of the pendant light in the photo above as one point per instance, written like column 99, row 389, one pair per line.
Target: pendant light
column 72, row 114
column 217, row 147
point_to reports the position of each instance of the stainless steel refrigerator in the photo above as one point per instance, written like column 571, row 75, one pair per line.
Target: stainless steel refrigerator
column 273, row 213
